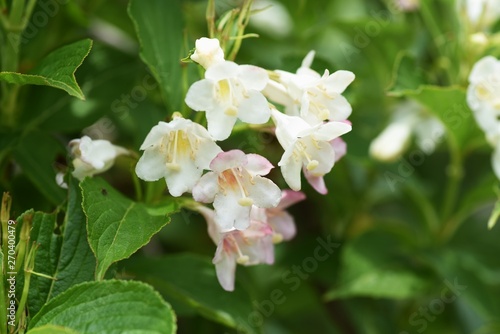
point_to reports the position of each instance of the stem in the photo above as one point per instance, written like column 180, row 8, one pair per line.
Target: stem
column 16, row 12
column 455, row 176
column 243, row 19
column 211, row 18
column 28, row 267
column 426, row 209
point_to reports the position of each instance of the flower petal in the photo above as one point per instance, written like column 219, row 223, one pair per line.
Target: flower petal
column 339, row 80
column 225, row 268
column 155, row 135
column 220, row 125
column 254, row 109
column 284, row 224
column 184, row 179
column 331, row 130
column 317, row 182
column 229, row 213
column 253, row 77
column 290, row 169
column 207, row 187
column 258, row 165
column 200, row 95
column 228, row 160
column 223, row 70
column 483, row 69
column 264, row 192
column 151, row 166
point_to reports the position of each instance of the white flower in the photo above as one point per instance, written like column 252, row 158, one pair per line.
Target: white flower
column 178, row 151
column 311, row 96
column 234, row 185
column 208, row 52
column 483, row 96
column 91, row 157
column 481, row 13
column 228, row 92
column 272, row 18
column 392, row 142
column 409, row 118
column 306, row 146
column 252, row 246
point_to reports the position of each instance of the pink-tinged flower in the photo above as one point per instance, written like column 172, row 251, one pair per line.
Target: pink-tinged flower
column 317, row 181
column 208, row 52
column 178, row 151
column 234, row 185
column 282, row 222
column 92, row 157
column 307, row 147
column 230, row 92
column 314, row 97
column 249, row 247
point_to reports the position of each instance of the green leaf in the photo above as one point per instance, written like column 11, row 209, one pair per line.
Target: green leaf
column 117, row 227
column 193, row 284
column 159, row 26
column 36, row 154
column 45, row 259
column 372, row 267
column 108, row 307
column 51, row 329
column 56, row 70
column 407, row 75
column 76, row 263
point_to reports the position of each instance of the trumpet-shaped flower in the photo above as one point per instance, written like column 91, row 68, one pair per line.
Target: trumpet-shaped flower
column 249, row 247
column 234, row 185
column 306, row 147
column 314, row 97
column 481, row 13
column 230, row 92
column 483, row 97
column 92, row 157
column 409, row 118
column 208, row 52
column 178, row 151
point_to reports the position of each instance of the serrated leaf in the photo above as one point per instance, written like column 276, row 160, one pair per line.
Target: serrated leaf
column 190, row 280
column 47, row 254
column 76, row 263
column 56, row 70
column 372, row 267
column 108, row 307
column 159, row 27
column 117, row 227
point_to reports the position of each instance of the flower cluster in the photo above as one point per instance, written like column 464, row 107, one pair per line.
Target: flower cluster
column 483, row 97
column 248, row 215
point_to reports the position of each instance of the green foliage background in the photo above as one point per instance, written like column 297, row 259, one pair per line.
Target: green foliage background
column 404, row 232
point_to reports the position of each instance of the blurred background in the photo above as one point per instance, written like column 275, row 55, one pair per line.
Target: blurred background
column 392, row 248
